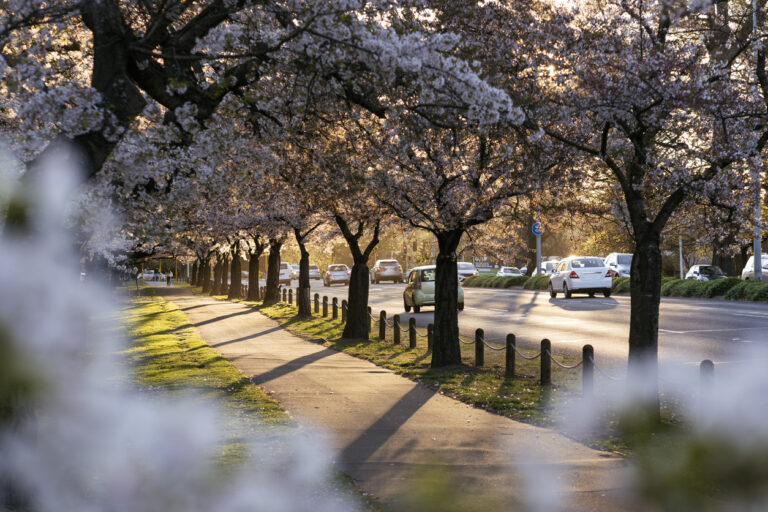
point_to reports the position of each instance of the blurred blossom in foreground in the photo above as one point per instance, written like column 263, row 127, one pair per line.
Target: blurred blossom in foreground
column 72, row 436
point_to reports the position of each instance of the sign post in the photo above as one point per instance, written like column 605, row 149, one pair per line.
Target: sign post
column 538, row 230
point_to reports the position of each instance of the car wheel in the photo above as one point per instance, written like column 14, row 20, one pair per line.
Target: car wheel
column 461, row 306
column 552, row 292
column 591, row 295
column 566, row 291
column 406, row 307
column 417, row 309
column 607, row 292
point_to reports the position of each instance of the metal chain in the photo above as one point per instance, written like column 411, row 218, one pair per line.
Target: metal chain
column 600, row 370
column 561, row 365
column 531, row 358
column 491, row 346
column 466, row 342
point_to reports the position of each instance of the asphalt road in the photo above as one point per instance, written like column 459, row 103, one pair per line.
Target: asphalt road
column 690, row 330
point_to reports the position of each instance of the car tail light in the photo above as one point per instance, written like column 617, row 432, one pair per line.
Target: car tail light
column 573, row 275
column 349, row 272
column 380, row 269
column 609, row 273
column 398, row 268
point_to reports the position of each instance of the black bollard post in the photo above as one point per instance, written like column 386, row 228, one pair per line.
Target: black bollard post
column 290, row 296
column 587, row 372
column 335, row 308
column 317, row 303
column 396, row 329
column 479, row 348
column 509, row 370
column 706, row 380
column 285, row 294
column 546, row 362
column 430, row 335
column 344, row 310
column 412, row 332
column 382, row 325
column 325, row 306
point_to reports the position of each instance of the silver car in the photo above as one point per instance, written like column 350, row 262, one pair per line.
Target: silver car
column 294, row 270
column 337, row 273
column 749, row 268
column 314, row 272
column 420, row 289
column 386, row 270
column 619, row 263
column 509, row 272
column 285, row 273
column 705, row 273
column 466, row 269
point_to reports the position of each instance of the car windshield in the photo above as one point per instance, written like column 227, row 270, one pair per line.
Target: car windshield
column 428, row 275
column 313, row 267
column 465, row 266
column 390, row 263
column 336, row 268
column 284, row 266
column 624, row 259
column 587, row 263
column 509, row 269
column 710, row 270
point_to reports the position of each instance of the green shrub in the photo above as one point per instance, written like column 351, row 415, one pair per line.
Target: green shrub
column 720, row 287
column 537, row 283
column 749, row 290
column 620, row 285
column 494, row 282
column 683, row 288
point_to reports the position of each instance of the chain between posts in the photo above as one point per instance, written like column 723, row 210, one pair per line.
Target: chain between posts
column 561, row 365
column 601, row 372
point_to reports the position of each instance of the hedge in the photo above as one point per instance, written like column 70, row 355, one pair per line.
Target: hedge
column 495, row 282
column 537, row 283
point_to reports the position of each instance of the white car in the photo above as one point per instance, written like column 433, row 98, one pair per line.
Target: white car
column 149, row 275
column 420, row 289
column 509, row 272
column 620, row 263
column 294, row 270
column 749, row 268
column 337, row 273
column 705, row 273
column 466, row 269
column 314, row 272
column 583, row 274
column 285, row 273
column 548, row 267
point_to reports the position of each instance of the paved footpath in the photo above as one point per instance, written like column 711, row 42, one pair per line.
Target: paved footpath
column 385, row 427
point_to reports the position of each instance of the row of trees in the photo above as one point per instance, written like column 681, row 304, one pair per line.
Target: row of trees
column 220, row 127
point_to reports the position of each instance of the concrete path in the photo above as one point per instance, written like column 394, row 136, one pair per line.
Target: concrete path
column 386, row 428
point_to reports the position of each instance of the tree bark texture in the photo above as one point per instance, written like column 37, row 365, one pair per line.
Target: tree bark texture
column 216, row 277
column 205, row 275
column 272, row 293
column 235, row 275
column 305, row 306
column 356, row 326
column 224, row 287
column 253, row 276
column 446, row 349
column 193, row 276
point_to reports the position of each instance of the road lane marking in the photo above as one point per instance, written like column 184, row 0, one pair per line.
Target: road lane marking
column 753, row 315
column 672, row 332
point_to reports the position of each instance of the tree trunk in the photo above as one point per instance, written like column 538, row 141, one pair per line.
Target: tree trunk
column 235, row 275
column 193, row 276
column 216, row 277
column 253, row 276
column 357, row 295
column 224, row 286
column 303, row 301
column 272, row 293
column 645, row 292
column 205, row 275
column 446, row 349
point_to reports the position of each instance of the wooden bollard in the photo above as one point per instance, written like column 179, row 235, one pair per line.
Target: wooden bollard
column 325, row 306
column 706, row 380
column 430, row 336
column 546, row 362
column 509, row 367
column 285, row 294
column 479, row 348
column 290, row 296
column 335, row 308
column 344, row 310
column 412, row 332
column 382, row 325
column 587, row 372
column 396, row 329
column 317, row 303
column 370, row 314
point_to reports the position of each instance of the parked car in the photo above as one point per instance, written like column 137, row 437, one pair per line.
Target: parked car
column 386, row 270
column 285, row 273
column 148, row 275
column 620, row 263
column 509, row 272
column 548, row 267
column 314, row 272
column 466, row 269
column 294, row 270
column 337, row 273
column 749, row 268
column 583, row 274
column 705, row 273
column 420, row 289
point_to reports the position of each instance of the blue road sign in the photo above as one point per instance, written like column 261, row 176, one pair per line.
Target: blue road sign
column 538, row 228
